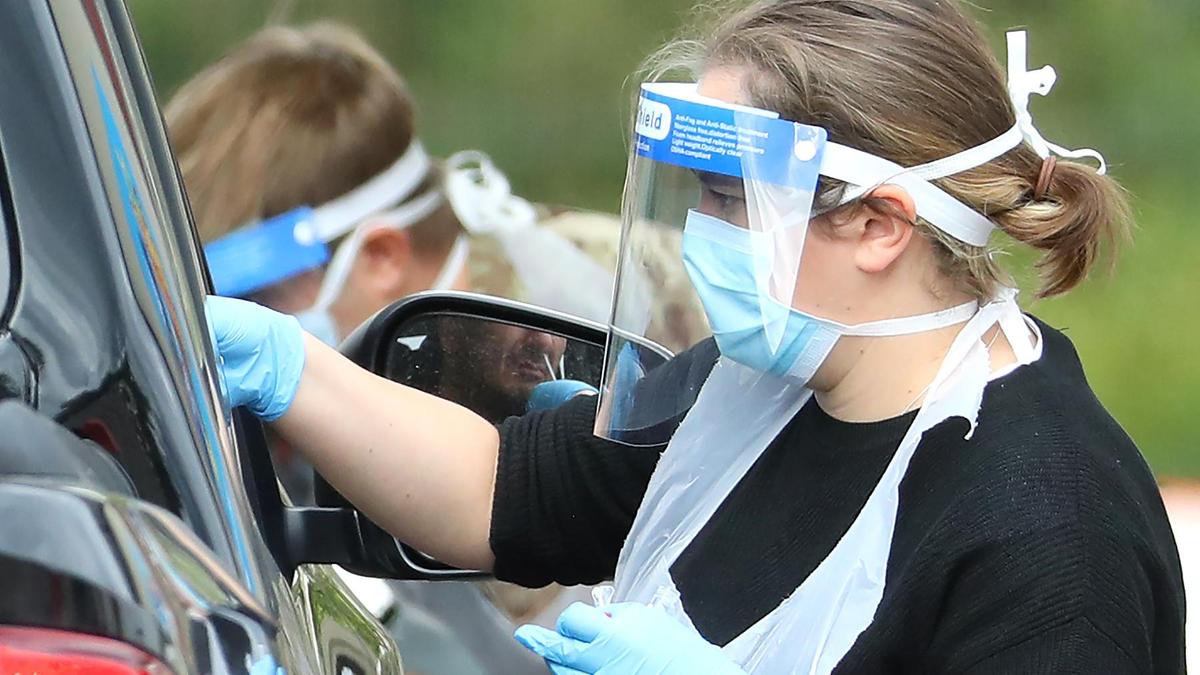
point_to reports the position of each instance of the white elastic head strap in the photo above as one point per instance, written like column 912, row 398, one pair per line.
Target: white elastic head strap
column 388, row 188
column 553, row 271
column 365, row 206
column 398, row 218
column 1021, row 85
column 863, row 172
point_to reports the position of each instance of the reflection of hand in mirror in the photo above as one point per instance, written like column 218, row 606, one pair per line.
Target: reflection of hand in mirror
column 553, row 393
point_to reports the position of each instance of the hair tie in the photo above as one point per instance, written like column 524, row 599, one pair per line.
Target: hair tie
column 1044, row 177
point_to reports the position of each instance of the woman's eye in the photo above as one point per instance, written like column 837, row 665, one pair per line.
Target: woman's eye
column 729, row 207
column 721, row 199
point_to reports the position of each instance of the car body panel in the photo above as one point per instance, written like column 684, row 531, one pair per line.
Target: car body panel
column 103, row 331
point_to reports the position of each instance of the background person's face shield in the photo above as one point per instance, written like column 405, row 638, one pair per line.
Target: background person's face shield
column 253, row 258
column 721, row 195
column 318, row 320
column 265, row 253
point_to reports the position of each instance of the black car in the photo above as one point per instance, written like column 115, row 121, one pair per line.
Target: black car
column 141, row 525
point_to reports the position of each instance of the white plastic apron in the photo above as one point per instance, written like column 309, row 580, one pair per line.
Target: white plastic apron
column 817, row 625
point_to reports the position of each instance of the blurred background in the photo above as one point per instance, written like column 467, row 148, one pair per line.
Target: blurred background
column 541, row 85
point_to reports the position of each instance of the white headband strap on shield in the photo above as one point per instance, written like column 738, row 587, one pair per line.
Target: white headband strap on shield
column 391, row 186
column 1021, row 85
column 863, row 171
column 398, row 218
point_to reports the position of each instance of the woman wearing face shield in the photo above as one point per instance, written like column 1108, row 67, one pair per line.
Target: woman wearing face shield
column 877, row 463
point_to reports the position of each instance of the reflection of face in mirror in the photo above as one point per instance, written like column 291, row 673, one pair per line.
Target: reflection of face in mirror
column 490, row 366
column 506, row 363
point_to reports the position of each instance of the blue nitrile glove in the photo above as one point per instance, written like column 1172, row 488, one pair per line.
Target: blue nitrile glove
column 260, row 353
column 553, row 393
column 265, row 666
column 624, row 639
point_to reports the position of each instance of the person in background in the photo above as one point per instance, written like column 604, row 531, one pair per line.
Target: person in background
column 309, row 186
column 314, row 196
column 311, row 127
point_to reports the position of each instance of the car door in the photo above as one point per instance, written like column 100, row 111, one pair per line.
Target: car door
column 107, row 331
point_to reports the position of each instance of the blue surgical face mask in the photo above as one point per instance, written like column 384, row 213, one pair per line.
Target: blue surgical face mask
column 320, row 324
column 720, row 261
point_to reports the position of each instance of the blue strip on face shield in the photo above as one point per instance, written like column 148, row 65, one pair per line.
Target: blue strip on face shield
column 265, row 254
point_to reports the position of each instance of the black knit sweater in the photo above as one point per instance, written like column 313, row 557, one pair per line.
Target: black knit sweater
column 1040, row 545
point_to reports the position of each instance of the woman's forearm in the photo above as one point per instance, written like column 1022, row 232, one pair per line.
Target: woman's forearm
column 420, row 466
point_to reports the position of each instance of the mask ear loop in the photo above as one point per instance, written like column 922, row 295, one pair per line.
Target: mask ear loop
column 339, row 266
column 456, row 260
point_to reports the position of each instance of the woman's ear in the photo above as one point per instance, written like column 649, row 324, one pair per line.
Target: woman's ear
column 887, row 230
column 386, row 258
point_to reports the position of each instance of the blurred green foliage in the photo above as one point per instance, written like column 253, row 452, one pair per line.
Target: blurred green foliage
column 541, row 86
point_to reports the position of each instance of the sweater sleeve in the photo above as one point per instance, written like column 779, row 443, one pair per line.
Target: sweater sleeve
column 1077, row 647
column 564, row 499
column 1086, row 590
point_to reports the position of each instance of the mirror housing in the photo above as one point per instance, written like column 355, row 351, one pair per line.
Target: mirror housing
column 336, row 532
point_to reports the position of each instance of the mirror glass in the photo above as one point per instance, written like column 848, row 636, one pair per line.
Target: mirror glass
column 495, row 368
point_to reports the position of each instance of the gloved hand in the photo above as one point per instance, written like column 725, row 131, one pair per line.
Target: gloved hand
column 264, row 666
column 624, row 639
column 260, row 353
column 553, row 393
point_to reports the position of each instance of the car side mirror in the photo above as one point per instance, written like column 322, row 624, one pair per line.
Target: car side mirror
column 498, row 357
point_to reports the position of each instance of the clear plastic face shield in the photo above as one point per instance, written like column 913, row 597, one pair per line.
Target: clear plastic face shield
column 722, row 195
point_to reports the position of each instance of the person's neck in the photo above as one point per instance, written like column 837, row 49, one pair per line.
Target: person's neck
column 867, row 379
column 883, row 377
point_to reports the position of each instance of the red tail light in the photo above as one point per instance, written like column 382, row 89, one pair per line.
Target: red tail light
column 44, row 651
